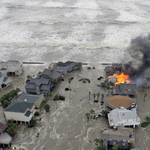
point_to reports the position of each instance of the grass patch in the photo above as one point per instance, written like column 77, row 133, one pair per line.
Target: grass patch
column 144, row 124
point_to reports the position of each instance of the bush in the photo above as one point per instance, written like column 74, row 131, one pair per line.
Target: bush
column 56, row 97
column 47, row 107
column 36, row 113
column 108, row 87
column 11, row 127
column 144, row 124
column 88, row 68
column 11, row 130
column 8, row 97
column 102, row 84
column 32, row 123
column 59, row 97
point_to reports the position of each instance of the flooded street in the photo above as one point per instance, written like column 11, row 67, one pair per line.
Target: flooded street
column 66, row 126
column 94, row 31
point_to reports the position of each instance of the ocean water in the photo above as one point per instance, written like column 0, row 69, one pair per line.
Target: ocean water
column 90, row 31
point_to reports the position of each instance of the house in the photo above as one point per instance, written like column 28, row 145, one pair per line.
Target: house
column 5, row 81
column 64, row 68
column 36, row 99
column 38, row 86
column 11, row 67
column 114, row 67
column 50, row 74
column 121, row 136
column 119, row 101
column 123, row 118
column 125, row 89
column 5, row 138
column 20, row 111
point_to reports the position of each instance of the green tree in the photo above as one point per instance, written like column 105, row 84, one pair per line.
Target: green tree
column 108, row 87
column 92, row 111
column 87, row 116
column 89, row 95
column 11, row 130
column 115, row 147
column 102, row 84
column 32, row 123
column 98, row 95
column 5, row 103
column 94, row 95
column 29, row 77
column 102, row 97
column 99, row 144
column 56, row 97
column 47, row 107
column 36, row 113
column 145, row 96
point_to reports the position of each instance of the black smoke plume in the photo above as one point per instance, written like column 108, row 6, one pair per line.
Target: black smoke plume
column 139, row 51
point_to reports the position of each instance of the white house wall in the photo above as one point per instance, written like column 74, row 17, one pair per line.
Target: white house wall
column 16, row 116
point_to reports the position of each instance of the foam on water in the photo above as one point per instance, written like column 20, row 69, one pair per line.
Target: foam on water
column 3, row 11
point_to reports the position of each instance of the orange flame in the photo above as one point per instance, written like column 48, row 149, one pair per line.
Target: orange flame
column 121, row 78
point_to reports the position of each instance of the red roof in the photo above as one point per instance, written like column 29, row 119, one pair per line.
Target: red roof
column 2, row 127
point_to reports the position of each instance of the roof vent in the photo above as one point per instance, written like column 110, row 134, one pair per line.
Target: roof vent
column 25, row 100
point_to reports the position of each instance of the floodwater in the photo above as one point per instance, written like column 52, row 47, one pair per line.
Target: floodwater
column 89, row 31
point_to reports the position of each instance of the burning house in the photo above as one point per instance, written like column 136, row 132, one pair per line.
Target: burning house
column 113, row 68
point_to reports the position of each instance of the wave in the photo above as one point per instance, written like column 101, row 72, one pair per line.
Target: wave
column 87, row 46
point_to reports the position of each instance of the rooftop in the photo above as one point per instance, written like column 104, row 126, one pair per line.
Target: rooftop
column 47, row 73
column 124, row 88
column 123, row 117
column 5, row 138
column 5, row 79
column 2, row 127
column 17, row 106
column 118, row 101
column 44, row 84
column 65, row 64
column 29, row 97
column 119, row 134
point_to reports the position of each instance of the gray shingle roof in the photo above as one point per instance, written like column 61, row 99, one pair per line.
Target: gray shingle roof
column 44, row 84
column 47, row 73
column 29, row 97
column 19, row 106
column 65, row 64
column 120, row 134
column 124, row 88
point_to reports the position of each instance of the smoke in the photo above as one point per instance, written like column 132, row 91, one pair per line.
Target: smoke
column 139, row 63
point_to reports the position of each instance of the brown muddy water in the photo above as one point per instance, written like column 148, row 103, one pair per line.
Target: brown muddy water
column 65, row 127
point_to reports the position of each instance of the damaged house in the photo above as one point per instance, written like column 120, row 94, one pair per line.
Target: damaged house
column 11, row 67
column 125, row 89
